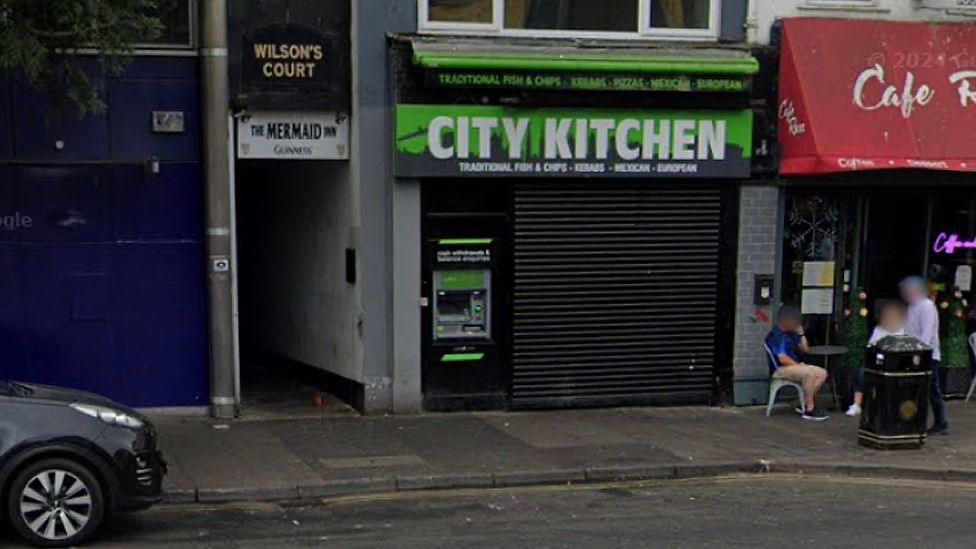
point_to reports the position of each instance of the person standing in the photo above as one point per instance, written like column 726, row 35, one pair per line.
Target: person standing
column 922, row 323
column 891, row 323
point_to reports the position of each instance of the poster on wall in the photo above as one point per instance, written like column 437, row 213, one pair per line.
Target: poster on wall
column 817, row 301
column 293, row 136
column 493, row 141
column 818, row 273
column 964, row 278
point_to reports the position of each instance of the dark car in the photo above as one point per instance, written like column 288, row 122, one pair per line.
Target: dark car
column 68, row 459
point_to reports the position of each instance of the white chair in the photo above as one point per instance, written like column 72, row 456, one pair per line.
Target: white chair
column 777, row 383
column 972, row 346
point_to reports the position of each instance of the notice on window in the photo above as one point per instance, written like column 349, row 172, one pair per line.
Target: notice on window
column 964, row 278
column 818, row 273
column 293, row 135
column 817, row 301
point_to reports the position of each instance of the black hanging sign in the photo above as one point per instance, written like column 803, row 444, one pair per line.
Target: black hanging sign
column 287, row 55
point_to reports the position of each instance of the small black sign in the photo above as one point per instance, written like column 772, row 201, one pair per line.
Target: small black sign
column 289, row 55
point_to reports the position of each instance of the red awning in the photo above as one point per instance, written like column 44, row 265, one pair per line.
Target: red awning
column 869, row 95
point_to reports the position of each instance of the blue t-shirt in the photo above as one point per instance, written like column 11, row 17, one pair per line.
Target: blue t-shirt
column 783, row 343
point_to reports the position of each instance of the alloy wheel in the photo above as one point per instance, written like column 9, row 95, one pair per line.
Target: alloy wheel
column 56, row 504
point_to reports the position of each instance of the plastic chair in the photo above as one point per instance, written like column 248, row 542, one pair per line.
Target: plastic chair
column 972, row 346
column 777, row 383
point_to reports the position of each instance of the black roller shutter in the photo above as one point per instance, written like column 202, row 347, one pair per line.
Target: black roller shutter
column 615, row 293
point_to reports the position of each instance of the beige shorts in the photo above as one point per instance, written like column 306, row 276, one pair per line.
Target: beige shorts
column 798, row 373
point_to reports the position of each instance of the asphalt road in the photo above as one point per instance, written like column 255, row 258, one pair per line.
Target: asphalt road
column 773, row 511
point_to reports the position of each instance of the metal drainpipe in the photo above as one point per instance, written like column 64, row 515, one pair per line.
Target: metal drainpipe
column 216, row 109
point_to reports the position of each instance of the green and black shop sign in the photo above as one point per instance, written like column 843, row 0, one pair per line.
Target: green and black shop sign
column 587, row 81
column 493, row 141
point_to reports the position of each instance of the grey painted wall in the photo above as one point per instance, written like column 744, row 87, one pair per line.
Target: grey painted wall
column 758, row 240
column 371, row 153
column 407, row 397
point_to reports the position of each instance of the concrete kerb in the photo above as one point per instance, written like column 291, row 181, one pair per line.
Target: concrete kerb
column 432, row 482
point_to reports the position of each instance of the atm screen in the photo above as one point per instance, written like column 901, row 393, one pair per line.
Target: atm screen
column 453, row 280
column 453, row 304
column 461, row 304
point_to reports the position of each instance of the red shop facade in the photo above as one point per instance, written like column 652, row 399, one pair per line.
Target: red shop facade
column 877, row 141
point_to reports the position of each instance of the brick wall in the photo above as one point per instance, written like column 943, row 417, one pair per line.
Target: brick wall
column 757, row 255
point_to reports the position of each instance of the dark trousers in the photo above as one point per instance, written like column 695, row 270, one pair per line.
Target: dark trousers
column 936, row 398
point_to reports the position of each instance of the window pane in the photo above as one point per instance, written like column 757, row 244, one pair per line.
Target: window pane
column 680, row 14
column 459, row 11
column 585, row 15
column 175, row 17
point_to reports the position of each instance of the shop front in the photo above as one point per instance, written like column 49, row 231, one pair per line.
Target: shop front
column 577, row 243
column 875, row 166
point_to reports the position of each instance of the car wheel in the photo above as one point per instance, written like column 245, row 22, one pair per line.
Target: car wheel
column 55, row 503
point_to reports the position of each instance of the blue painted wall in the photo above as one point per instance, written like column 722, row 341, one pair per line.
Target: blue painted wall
column 101, row 262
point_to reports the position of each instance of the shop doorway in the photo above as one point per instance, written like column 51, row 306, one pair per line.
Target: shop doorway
column 871, row 239
column 895, row 241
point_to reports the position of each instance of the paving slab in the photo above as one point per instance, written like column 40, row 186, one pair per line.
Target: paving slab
column 244, row 456
column 321, row 457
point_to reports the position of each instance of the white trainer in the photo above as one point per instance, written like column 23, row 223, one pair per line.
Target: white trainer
column 853, row 411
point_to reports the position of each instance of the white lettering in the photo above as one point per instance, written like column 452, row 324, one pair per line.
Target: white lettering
column 905, row 101
column 787, row 113
column 557, row 139
column 515, row 133
column 624, row 129
column 684, row 140
column 602, row 127
column 711, row 139
column 966, row 93
column 484, row 125
column 662, row 139
column 463, row 141
column 435, row 139
column 581, row 139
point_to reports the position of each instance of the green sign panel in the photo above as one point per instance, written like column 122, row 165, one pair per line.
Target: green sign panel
column 492, row 141
column 587, row 81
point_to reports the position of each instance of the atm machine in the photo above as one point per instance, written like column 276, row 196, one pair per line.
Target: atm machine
column 462, row 340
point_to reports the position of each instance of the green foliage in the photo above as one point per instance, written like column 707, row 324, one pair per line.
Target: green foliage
column 955, row 347
column 855, row 333
column 40, row 39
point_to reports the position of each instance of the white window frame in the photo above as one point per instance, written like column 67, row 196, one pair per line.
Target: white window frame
column 643, row 32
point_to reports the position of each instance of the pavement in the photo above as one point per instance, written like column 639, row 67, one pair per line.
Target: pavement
column 275, row 458
column 748, row 511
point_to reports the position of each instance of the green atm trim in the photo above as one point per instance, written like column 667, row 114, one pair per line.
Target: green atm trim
column 462, row 357
column 583, row 62
column 463, row 241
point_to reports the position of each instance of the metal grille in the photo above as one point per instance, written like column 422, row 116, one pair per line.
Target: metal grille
column 615, row 293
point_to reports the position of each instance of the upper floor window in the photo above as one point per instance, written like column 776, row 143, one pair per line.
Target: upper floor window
column 179, row 25
column 691, row 19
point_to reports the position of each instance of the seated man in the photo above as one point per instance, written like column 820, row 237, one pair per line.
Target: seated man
column 786, row 341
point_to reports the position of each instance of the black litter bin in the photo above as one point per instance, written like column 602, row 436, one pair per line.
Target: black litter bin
column 897, row 373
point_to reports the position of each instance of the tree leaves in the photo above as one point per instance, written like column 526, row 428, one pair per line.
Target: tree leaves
column 49, row 43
